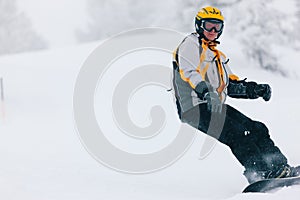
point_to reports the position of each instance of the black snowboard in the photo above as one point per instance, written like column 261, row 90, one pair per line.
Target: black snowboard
column 268, row 185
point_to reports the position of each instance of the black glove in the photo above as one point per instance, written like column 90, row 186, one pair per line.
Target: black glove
column 248, row 90
column 264, row 91
column 205, row 92
column 202, row 88
column 255, row 90
column 214, row 103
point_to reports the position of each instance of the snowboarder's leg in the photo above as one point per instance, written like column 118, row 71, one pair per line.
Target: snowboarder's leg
column 232, row 131
column 249, row 140
column 254, row 148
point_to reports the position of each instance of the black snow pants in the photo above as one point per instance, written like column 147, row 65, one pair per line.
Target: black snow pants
column 248, row 140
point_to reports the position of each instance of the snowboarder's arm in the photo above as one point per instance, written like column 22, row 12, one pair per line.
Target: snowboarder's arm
column 188, row 60
column 248, row 90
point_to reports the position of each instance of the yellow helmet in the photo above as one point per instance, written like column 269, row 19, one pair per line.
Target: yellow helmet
column 210, row 13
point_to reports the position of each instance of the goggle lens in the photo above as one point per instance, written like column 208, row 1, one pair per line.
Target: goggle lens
column 210, row 25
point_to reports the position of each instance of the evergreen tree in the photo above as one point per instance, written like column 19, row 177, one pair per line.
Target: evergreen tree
column 259, row 26
column 16, row 33
column 297, row 27
column 108, row 17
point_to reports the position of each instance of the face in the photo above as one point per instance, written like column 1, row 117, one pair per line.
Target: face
column 212, row 28
column 210, row 35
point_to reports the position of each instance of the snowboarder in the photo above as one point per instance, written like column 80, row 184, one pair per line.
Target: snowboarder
column 202, row 80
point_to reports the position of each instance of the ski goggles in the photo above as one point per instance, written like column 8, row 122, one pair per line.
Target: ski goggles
column 209, row 25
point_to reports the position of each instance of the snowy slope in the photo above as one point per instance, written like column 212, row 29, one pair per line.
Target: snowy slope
column 42, row 156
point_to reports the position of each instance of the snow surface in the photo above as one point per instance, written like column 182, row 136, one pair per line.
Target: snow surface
column 42, row 157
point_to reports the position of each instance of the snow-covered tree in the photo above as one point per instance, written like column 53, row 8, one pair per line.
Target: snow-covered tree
column 259, row 26
column 298, row 15
column 297, row 27
column 108, row 17
column 16, row 32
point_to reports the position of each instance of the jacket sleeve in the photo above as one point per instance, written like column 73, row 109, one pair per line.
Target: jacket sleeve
column 189, row 58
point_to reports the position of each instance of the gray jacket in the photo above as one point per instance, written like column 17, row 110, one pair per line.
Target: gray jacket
column 197, row 60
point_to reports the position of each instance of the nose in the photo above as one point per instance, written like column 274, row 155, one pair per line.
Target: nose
column 213, row 30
